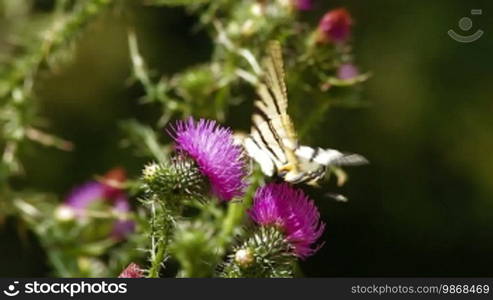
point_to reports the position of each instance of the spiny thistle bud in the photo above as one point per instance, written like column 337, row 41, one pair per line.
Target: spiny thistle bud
column 244, row 257
column 177, row 180
column 150, row 172
column 335, row 26
column 212, row 150
column 264, row 254
column 132, row 271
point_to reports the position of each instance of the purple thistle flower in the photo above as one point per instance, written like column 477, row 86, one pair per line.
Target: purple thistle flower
column 91, row 192
column 217, row 157
column 122, row 227
column 132, row 271
column 84, row 195
column 292, row 212
column 347, row 71
column 303, row 4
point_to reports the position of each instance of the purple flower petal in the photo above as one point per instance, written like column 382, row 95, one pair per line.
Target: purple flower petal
column 303, row 4
column 291, row 210
column 218, row 158
column 90, row 192
column 347, row 71
column 122, row 227
column 82, row 196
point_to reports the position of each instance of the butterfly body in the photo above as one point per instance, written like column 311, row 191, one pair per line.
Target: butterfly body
column 273, row 142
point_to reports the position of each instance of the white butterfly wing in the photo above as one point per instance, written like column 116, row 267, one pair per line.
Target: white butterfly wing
column 330, row 157
column 260, row 156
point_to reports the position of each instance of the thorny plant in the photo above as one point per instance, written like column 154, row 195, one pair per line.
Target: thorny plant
column 201, row 207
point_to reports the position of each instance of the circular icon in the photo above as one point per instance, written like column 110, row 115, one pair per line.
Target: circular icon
column 465, row 23
column 11, row 290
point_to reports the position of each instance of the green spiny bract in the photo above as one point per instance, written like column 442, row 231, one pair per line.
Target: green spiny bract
column 176, row 181
column 265, row 253
column 194, row 247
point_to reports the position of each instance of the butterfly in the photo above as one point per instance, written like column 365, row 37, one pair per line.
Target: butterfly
column 273, row 142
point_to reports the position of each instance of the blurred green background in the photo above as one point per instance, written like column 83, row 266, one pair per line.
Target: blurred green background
column 424, row 207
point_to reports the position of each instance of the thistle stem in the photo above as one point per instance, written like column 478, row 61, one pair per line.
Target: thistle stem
column 157, row 259
column 161, row 227
column 236, row 214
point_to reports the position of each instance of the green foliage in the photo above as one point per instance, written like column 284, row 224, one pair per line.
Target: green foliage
column 144, row 140
column 76, row 248
column 17, row 107
column 178, row 219
column 194, row 247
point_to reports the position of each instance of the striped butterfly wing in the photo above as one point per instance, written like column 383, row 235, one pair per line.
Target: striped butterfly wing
column 273, row 139
column 328, row 157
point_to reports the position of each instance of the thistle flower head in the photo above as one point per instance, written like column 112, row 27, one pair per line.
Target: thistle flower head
column 335, row 26
column 217, row 157
column 84, row 195
column 303, row 4
column 290, row 210
column 132, row 271
column 106, row 190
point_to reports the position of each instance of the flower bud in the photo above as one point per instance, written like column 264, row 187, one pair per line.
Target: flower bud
column 181, row 178
column 335, row 26
column 265, row 253
column 244, row 257
column 150, row 171
column 132, row 271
